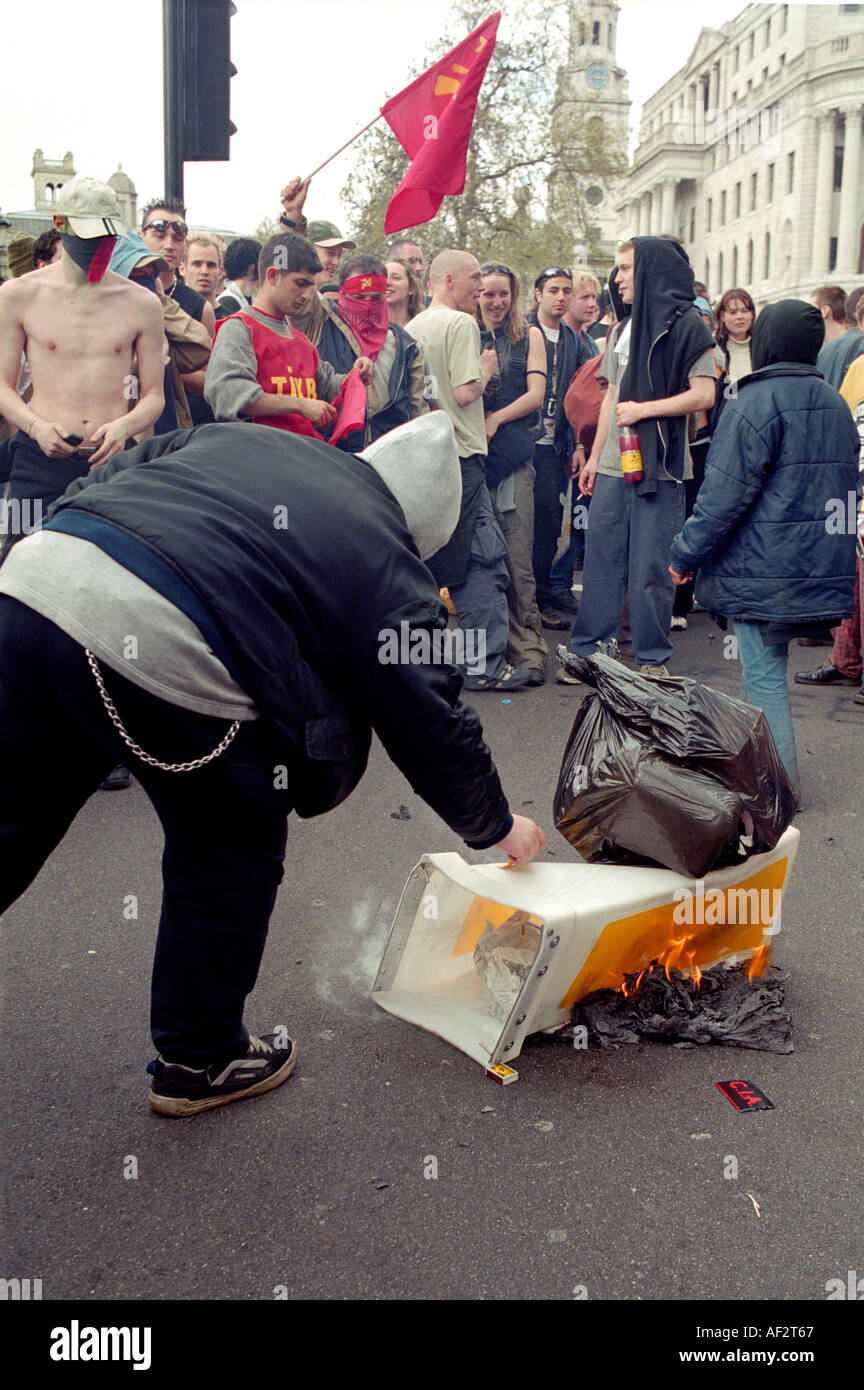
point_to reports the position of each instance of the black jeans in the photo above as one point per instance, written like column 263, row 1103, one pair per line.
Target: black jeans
column 450, row 564
column 35, row 481
column 225, row 824
column 550, row 485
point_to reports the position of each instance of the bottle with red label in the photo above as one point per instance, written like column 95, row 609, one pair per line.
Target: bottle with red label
column 631, row 454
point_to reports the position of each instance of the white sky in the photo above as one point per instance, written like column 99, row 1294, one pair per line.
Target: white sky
column 88, row 78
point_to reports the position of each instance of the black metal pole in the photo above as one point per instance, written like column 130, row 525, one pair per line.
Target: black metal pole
column 172, row 39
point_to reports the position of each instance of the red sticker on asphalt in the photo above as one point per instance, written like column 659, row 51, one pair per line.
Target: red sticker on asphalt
column 744, row 1095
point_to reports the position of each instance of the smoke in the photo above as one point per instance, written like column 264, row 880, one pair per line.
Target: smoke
column 346, row 961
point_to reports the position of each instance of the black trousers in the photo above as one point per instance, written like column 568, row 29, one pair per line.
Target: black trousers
column 35, row 481
column 449, row 565
column 550, row 484
column 225, row 824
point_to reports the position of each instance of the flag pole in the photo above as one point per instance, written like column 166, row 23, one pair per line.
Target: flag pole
column 366, row 127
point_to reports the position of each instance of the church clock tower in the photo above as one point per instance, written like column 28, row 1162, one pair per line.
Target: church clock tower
column 593, row 89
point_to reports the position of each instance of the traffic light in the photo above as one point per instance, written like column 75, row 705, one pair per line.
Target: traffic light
column 197, row 83
column 207, row 73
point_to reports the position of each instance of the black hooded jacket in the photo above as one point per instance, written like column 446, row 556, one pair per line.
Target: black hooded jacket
column 300, row 556
column 621, row 309
column 788, row 331
column 763, row 534
column 667, row 335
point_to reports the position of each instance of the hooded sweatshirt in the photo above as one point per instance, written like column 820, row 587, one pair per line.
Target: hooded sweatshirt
column 668, row 334
column 789, row 331
column 622, row 310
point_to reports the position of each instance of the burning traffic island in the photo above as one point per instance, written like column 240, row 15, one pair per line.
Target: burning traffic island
column 676, row 798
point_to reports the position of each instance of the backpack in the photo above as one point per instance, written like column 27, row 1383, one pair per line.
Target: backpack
column 583, row 400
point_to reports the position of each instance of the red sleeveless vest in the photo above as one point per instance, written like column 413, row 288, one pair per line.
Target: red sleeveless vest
column 286, row 367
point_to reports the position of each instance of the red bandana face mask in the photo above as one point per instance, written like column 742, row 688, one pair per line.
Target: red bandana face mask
column 367, row 318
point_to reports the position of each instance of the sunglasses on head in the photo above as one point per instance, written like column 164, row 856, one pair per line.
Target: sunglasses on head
column 495, row 270
column 551, row 271
column 162, row 224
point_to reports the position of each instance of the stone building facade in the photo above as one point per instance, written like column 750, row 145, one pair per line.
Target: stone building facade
column 751, row 153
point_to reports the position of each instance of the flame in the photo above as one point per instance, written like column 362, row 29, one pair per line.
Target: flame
column 679, row 954
column 758, row 962
column 628, row 993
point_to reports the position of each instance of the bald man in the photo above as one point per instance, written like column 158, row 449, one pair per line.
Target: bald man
column 473, row 563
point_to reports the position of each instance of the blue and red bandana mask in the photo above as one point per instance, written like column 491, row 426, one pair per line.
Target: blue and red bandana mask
column 90, row 254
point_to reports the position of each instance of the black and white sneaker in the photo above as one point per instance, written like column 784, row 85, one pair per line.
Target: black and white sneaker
column 179, row 1090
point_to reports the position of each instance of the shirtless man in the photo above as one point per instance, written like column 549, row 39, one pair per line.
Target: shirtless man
column 80, row 325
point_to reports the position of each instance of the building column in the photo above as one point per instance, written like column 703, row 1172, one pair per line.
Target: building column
column 822, row 201
column 667, row 206
column 636, row 216
column 848, row 228
column 713, row 87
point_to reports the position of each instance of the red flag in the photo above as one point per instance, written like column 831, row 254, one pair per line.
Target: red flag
column 350, row 406
column 432, row 121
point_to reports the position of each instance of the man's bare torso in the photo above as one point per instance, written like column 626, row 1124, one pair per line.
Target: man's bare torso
column 79, row 342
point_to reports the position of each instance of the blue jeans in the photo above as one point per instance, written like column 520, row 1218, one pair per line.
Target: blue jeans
column 627, row 546
column 764, row 684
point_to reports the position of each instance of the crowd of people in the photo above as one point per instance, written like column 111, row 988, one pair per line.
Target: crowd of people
column 615, row 445
column 270, row 333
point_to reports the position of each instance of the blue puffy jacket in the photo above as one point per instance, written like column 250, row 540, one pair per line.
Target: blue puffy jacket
column 763, row 533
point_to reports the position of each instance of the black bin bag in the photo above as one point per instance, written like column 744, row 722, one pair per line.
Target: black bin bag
column 669, row 772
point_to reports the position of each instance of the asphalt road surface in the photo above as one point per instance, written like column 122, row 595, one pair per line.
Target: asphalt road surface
column 596, row 1171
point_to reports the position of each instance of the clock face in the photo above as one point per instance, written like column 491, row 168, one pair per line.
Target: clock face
column 597, row 77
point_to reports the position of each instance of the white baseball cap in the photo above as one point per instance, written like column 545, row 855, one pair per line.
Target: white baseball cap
column 91, row 208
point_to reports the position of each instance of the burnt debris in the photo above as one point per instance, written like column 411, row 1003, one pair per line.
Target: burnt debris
column 726, row 1006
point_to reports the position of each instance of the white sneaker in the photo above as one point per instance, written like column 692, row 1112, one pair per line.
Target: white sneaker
column 565, row 677
column 679, row 624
